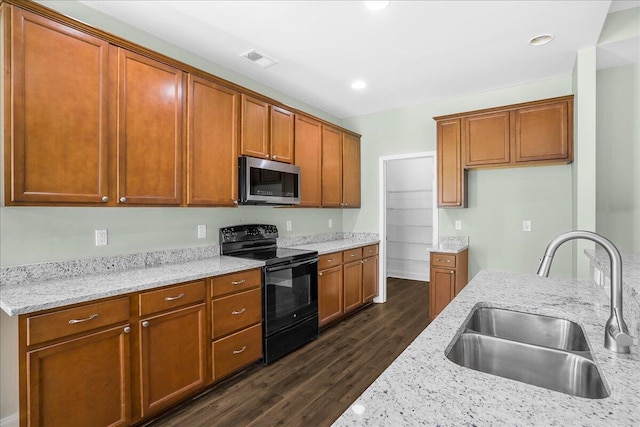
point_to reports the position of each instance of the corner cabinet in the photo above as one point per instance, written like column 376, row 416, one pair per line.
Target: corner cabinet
column 449, row 275
column 530, row 134
column 347, row 281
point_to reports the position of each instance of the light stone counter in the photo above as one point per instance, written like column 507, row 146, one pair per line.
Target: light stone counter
column 21, row 298
column 422, row 387
column 349, row 242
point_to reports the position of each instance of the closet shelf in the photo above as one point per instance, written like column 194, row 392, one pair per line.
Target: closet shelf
column 409, row 191
column 408, row 209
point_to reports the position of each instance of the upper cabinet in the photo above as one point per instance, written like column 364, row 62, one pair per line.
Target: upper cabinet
column 212, row 161
column 309, row 158
column 267, row 131
column 95, row 120
column 149, row 133
column 340, row 168
column 528, row 134
column 56, row 138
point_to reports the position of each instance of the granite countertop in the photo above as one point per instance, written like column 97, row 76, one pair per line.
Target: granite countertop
column 20, row 298
column 449, row 249
column 422, row 387
column 31, row 288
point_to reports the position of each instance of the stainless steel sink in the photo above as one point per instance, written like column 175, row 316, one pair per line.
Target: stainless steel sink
column 528, row 328
column 539, row 350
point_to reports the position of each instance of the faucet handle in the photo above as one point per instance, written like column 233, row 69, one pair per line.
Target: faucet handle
column 622, row 338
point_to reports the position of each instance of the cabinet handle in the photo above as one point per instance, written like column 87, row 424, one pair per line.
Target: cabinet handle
column 445, row 260
column 127, row 329
column 145, row 324
column 238, row 282
column 240, row 351
column 105, row 199
column 330, row 260
column 352, row 255
column 74, row 321
column 174, row 298
column 235, row 313
column 123, row 199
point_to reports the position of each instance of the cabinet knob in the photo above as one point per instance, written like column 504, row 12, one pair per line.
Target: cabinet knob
column 320, row 274
column 145, row 324
column 274, row 157
column 451, row 272
column 105, row 199
column 235, row 202
column 123, row 199
column 127, row 329
column 266, row 155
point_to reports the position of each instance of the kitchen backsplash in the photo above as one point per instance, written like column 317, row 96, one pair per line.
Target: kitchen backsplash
column 453, row 240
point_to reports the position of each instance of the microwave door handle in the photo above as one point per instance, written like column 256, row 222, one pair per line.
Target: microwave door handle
column 290, row 266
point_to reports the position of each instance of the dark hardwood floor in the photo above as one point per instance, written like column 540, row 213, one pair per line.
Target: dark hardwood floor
column 314, row 385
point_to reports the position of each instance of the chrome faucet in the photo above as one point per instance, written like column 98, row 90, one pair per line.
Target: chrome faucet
column 616, row 333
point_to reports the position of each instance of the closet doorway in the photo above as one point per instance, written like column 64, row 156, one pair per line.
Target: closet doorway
column 408, row 216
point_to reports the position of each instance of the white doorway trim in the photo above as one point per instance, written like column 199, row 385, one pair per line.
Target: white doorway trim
column 382, row 214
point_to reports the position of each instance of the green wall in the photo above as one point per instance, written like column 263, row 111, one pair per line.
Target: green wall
column 498, row 199
column 618, row 156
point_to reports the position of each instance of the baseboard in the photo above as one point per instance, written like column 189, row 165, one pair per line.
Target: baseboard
column 12, row 420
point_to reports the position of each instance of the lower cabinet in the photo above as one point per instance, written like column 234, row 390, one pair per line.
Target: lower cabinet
column 449, row 275
column 119, row 361
column 236, row 322
column 347, row 280
column 76, row 369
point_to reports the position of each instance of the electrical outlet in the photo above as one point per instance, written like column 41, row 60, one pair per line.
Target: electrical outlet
column 330, row 223
column 202, row 231
column 289, row 225
column 526, row 225
column 101, row 238
column 458, row 224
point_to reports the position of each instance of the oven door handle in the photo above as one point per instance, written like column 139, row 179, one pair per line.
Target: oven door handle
column 290, row 266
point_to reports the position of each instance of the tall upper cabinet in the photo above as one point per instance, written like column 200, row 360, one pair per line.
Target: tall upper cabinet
column 149, row 132
column 57, row 131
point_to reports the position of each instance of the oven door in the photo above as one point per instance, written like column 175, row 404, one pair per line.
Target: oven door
column 290, row 294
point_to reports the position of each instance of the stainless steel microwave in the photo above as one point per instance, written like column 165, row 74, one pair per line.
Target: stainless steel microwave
column 267, row 182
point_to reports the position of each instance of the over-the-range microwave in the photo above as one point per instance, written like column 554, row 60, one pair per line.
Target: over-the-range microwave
column 267, row 182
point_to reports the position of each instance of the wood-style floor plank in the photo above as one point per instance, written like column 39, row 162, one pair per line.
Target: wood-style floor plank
column 314, row 385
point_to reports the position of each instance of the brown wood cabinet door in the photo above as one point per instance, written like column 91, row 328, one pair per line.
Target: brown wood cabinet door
column 350, row 171
column 212, row 141
column 331, row 167
column 486, row 139
column 254, row 133
column 450, row 173
column 80, row 382
column 282, row 124
column 150, row 105
column 370, row 278
column 441, row 290
column 57, row 131
column 544, row 132
column 352, row 284
column 330, row 295
column 172, row 357
column 308, row 154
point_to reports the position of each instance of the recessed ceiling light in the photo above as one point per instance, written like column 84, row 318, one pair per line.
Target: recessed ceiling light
column 376, row 5
column 540, row 40
column 358, row 85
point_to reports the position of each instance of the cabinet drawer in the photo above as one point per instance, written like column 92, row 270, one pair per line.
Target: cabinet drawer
column 443, row 260
column 63, row 323
column 236, row 351
column 370, row 250
column 173, row 297
column 329, row 260
column 236, row 312
column 352, row 255
column 236, row 282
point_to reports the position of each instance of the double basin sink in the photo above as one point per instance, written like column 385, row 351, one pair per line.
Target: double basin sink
column 540, row 350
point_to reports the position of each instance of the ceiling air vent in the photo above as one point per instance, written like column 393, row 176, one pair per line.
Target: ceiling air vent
column 259, row 58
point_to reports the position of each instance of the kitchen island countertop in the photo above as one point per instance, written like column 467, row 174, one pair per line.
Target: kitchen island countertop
column 422, row 387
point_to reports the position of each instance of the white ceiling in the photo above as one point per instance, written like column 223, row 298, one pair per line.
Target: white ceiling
column 409, row 53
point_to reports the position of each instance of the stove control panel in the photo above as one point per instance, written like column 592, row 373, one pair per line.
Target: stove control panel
column 242, row 233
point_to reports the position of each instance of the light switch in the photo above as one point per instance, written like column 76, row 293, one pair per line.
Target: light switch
column 330, row 223
column 526, row 225
column 289, row 226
